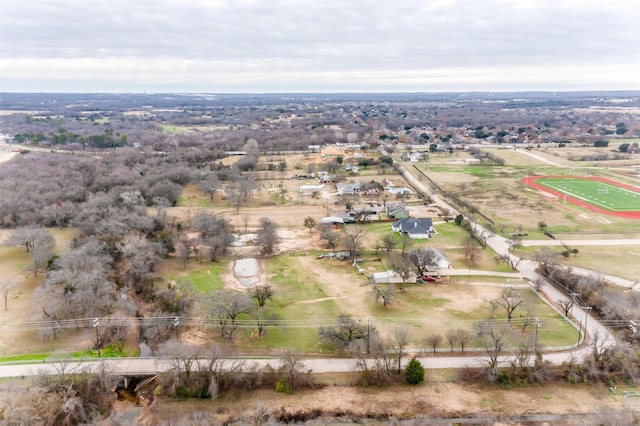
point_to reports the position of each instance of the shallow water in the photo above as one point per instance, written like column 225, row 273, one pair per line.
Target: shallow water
column 244, row 268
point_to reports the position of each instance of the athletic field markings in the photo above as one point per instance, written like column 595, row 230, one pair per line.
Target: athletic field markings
column 590, row 191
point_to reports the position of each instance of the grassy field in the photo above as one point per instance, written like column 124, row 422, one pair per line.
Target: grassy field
column 601, row 194
column 204, row 277
column 606, row 259
column 499, row 194
column 306, row 298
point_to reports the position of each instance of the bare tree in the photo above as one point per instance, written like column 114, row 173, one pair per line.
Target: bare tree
column 352, row 238
column 292, row 367
column 493, row 337
column 267, row 235
column 470, row 250
column 400, row 341
column 528, row 316
column 547, row 259
column 383, row 291
column 80, row 396
column 389, row 242
column 485, row 234
column 261, row 293
column 405, row 243
column 219, row 371
column 29, row 238
column 226, row 306
column 464, row 336
column 509, row 259
column 327, row 233
column 433, row 340
column 79, row 285
column 509, row 300
column 567, row 306
column 40, row 255
column 6, row 288
column 209, row 184
column 424, row 259
column 264, row 319
column 235, row 196
column 402, row 266
column 345, row 331
column 182, row 253
column 452, row 337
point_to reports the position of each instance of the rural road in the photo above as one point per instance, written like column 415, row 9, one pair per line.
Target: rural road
column 619, row 242
column 150, row 366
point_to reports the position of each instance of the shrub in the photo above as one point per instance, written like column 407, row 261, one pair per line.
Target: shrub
column 283, row 386
column 414, row 373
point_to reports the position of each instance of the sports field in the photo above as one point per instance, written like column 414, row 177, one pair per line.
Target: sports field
column 598, row 194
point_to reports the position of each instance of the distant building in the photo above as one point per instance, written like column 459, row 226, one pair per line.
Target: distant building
column 396, row 211
column 385, row 277
column 345, row 188
column 441, row 259
column 305, row 188
column 416, row 157
column 398, row 190
column 334, row 220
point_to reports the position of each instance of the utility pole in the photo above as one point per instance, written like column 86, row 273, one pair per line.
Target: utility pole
column 176, row 324
column 368, row 333
column 535, row 344
column 96, row 323
column 587, row 309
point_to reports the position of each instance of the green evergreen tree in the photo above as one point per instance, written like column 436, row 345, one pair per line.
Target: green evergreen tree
column 414, row 373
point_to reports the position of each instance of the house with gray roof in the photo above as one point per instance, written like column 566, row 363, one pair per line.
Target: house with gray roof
column 414, row 227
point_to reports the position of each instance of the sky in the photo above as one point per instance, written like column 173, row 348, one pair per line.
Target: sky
column 275, row 46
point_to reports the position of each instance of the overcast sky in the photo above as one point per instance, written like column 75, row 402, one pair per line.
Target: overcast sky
column 318, row 45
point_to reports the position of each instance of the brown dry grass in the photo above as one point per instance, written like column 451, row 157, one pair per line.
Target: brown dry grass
column 438, row 397
column 16, row 271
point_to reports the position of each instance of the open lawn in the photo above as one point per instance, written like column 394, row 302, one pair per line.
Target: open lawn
column 435, row 308
column 619, row 261
column 204, row 277
column 311, row 292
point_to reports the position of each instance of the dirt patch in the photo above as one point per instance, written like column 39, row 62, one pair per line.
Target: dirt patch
column 318, row 300
column 338, row 285
column 247, row 277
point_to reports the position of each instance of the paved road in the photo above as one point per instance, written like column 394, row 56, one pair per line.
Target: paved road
column 543, row 159
column 618, row 242
column 150, row 366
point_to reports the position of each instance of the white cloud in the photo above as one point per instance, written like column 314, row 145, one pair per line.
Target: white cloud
column 318, row 45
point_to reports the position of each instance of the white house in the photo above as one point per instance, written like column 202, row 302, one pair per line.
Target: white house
column 395, row 190
column 334, row 220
